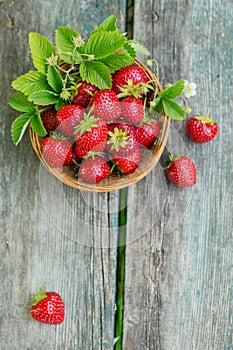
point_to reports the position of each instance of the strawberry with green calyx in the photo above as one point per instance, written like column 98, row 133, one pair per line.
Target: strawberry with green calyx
column 94, row 168
column 181, row 171
column 122, row 125
column 48, row 307
column 56, row 150
column 84, row 94
column 48, row 117
column 127, row 164
column 130, row 80
column 132, row 109
column 68, row 117
column 106, row 105
column 90, row 135
column 120, row 143
column 147, row 131
column 202, row 129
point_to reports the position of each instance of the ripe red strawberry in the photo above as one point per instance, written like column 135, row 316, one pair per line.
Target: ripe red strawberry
column 182, row 172
column 70, row 161
column 146, row 132
column 120, row 143
column 132, row 77
column 48, row 118
column 84, row 93
column 202, row 129
column 90, row 135
column 94, row 170
column 48, row 307
column 132, row 109
column 68, row 117
column 128, row 164
column 122, row 126
column 56, row 151
column 106, row 105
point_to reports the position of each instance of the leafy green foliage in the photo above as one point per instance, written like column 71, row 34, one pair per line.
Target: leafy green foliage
column 37, row 125
column 117, row 61
column 20, row 102
column 103, row 44
column 43, row 98
column 54, row 79
column 65, row 43
column 174, row 90
column 108, row 25
column 96, row 73
column 172, row 109
column 31, row 82
column 41, row 49
column 138, row 47
column 19, row 127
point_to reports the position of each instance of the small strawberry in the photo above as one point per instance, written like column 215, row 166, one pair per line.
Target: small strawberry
column 106, row 105
column 130, row 80
column 72, row 159
column 132, row 109
column 120, row 142
column 128, row 164
column 48, row 118
column 84, row 93
column 56, row 151
column 181, row 171
column 48, row 307
column 147, row 131
column 90, row 135
column 94, row 170
column 68, row 117
column 202, row 129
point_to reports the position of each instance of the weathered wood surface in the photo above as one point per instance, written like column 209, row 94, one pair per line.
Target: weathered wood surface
column 44, row 223
column 178, row 281
column 179, row 252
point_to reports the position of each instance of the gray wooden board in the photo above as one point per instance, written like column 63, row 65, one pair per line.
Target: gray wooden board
column 178, row 279
column 44, row 233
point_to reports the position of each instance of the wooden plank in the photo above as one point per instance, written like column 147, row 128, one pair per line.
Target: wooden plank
column 45, row 225
column 178, row 282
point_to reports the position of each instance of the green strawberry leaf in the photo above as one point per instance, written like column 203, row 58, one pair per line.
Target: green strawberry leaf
column 138, row 47
column 44, row 97
column 65, row 43
column 117, row 61
column 54, row 79
column 156, row 106
column 173, row 91
column 172, row 109
column 103, row 44
column 19, row 127
column 37, row 125
column 20, row 102
column 96, row 73
column 31, row 82
column 128, row 50
column 108, row 25
column 41, row 49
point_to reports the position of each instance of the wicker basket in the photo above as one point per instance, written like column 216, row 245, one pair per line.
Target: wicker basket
column 115, row 181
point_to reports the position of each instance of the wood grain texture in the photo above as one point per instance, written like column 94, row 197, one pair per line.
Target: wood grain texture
column 178, row 278
column 43, row 232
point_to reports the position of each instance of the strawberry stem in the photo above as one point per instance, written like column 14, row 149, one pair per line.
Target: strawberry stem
column 38, row 297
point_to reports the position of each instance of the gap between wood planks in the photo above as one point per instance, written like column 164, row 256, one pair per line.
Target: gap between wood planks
column 122, row 222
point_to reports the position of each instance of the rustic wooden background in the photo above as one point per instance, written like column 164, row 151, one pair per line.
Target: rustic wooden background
column 176, row 269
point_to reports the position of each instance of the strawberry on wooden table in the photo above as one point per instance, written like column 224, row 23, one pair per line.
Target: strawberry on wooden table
column 202, row 129
column 56, row 151
column 48, row 307
column 68, row 117
column 181, row 171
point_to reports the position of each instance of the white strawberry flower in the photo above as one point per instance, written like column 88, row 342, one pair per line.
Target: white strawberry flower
column 189, row 89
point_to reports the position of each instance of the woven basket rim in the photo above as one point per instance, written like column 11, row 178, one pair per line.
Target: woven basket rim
column 113, row 182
